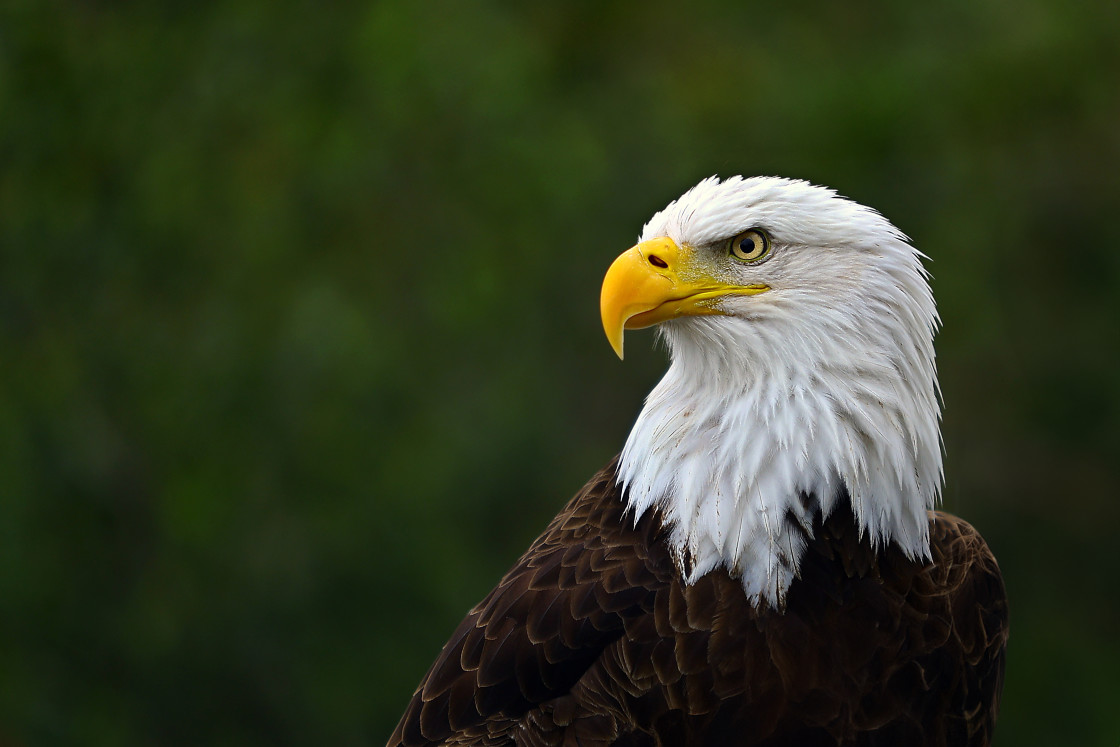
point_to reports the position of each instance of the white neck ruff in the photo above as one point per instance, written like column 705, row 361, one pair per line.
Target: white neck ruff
column 824, row 384
column 727, row 451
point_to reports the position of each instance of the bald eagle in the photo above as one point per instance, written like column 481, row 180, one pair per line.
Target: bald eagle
column 762, row 564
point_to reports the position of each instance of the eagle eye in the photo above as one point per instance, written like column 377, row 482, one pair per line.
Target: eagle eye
column 749, row 246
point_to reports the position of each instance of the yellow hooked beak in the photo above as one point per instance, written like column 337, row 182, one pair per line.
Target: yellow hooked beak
column 644, row 287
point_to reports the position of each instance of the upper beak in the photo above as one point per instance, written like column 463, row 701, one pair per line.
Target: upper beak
column 643, row 287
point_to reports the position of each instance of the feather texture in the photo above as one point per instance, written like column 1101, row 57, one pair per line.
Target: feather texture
column 871, row 648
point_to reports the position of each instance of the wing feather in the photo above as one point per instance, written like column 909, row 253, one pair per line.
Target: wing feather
column 594, row 637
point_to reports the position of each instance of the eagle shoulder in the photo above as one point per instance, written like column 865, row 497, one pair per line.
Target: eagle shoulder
column 594, row 636
column 545, row 623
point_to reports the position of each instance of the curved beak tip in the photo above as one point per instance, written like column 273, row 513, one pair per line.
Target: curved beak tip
column 614, row 324
column 632, row 286
column 616, row 344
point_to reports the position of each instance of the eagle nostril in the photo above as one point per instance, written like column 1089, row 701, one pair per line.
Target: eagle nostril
column 657, row 261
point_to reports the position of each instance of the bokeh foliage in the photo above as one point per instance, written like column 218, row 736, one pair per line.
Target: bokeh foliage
column 298, row 321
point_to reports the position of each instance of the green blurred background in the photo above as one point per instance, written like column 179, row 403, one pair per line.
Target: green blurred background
column 300, row 343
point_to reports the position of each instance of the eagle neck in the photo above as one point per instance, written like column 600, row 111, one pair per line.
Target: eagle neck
column 740, row 456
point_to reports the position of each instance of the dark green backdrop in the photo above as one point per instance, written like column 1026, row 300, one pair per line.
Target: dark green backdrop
column 299, row 344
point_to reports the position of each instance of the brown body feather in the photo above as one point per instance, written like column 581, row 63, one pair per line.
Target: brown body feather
column 593, row 639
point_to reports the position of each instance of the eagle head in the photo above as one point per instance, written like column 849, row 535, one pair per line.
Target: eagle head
column 800, row 328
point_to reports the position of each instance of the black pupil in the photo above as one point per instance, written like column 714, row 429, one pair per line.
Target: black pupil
column 746, row 246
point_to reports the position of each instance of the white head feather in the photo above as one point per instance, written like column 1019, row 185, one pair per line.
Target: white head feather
column 825, row 383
